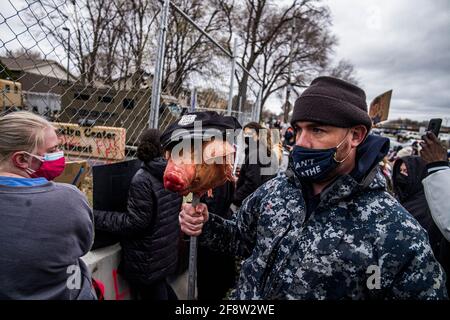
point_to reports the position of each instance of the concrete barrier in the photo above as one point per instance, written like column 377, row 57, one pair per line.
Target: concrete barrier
column 103, row 264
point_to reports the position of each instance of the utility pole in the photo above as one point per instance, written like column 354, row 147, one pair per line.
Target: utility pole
column 289, row 86
column 233, row 68
column 193, row 99
column 68, row 51
column 157, row 78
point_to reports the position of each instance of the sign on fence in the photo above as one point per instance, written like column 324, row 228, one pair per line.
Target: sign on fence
column 96, row 142
column 74, row 173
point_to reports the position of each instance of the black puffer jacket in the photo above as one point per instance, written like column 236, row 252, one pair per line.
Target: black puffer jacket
column 409, row 190
column 149, row 228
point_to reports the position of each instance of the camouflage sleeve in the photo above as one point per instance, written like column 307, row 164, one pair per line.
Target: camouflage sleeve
column 237, row 236
column 421, row 277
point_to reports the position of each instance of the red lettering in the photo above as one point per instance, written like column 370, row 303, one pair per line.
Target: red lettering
column 119, row 296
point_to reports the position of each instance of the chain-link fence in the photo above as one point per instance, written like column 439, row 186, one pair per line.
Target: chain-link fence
column 102, row 71
column 105, row 70
column 207, row 77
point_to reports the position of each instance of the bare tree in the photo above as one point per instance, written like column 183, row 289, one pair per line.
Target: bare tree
column 138, row 17
column 282, row 45
column 108, row 57
column 298, row 54
column 87, row 21
column 277, row 41
column 344, row 70
column 211, row 98
column 187, row 50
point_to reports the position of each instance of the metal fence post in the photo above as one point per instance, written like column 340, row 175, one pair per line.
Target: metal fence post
column 157, row 77
column 193, row 99
column 193, row 243
column 233, row 69
column 254, row 113
column 259, row 105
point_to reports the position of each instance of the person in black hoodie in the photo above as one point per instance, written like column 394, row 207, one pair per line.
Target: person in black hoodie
column 149, row 229
column 254, row 172
column 407, row 176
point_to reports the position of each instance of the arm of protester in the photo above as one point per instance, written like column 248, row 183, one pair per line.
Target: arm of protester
column 420, row 277
column 437, row 183
column 437, row 193
column 138, row 216
column 433, row 153
column 235, row 237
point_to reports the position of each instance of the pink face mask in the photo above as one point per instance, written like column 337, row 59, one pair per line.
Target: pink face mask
column 52, row 165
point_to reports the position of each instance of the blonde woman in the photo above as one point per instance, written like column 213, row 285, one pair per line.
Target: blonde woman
column 45, row 226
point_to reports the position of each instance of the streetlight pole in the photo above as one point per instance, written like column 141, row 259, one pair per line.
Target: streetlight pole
column 233, row 68
column 289, row 86
column 68, row 51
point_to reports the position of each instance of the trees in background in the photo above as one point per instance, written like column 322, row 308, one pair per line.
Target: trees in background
column 283, row 46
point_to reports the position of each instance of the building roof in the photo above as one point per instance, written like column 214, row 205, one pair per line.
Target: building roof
column 24, row 64
column 19, row 64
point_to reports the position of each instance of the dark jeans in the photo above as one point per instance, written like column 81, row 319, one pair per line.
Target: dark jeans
column 159, row 290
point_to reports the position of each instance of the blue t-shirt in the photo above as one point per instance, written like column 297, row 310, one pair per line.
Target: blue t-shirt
column 22, row 182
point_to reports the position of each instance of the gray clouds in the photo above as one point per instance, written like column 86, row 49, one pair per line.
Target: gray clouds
column 400, row 45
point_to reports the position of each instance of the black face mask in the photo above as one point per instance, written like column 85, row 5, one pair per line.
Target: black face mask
column 315, row 165
column 401, row 186
column 249, row 142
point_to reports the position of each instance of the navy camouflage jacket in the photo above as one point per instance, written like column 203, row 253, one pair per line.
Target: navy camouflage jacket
column 359, row 243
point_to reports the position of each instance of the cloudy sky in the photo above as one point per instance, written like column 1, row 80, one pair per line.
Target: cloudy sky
column 402, row 45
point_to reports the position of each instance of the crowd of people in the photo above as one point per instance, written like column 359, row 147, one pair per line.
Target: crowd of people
column 344, row 220
column 328, row 227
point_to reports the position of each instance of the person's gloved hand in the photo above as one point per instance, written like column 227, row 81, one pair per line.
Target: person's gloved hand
column 432, row 150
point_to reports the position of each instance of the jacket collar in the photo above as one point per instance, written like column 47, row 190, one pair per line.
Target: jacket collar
column 156, row 167
column 344, row 186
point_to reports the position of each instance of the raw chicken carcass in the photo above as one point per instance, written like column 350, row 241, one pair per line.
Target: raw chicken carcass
column 184, row 175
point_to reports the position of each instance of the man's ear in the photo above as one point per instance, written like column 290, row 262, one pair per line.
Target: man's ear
column 359, row 133
column 20, row 160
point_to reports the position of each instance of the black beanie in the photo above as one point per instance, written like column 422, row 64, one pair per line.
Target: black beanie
column 334, row 102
